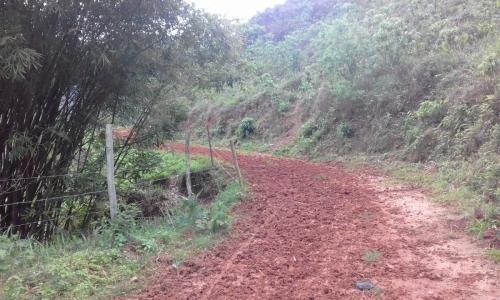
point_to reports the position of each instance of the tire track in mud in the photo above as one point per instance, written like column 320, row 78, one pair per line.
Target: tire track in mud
column 304, row 233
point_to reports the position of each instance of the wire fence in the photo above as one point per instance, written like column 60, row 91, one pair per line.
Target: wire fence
column 12, row 189
column 138, row 183
column 54, row 198
column 35, row 222
column 13, row 185
column 43, row 221
column 20, row 199
column 49, row 176
column 221, row 165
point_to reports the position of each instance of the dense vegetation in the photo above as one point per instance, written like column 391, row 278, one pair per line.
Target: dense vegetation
column 103, row 263
column 415, row 81
column 67, row 67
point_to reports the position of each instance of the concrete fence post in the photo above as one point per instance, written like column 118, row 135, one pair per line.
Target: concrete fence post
column 110, row 172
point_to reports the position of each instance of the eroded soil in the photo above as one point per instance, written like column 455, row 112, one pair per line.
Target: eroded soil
column 308, row 230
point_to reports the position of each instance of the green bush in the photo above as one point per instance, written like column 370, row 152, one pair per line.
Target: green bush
column 344, row 130
column 137, row 163
column 267, row 81
column 246, row 128
column 116, row 233
column 479, row 227
column 345, row 90
column 491, row 63
column 283, row 106
column 431, row 112
column 147, row 165
column 219, row 217
column 304, row 146
column 308, row 129
column 493, row 254
column 410, row 128
column 220, row 129
column 214, row 219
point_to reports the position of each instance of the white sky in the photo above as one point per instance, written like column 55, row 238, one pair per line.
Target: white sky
column 236, row 9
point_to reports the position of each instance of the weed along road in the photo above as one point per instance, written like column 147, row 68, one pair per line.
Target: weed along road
column 313, row 231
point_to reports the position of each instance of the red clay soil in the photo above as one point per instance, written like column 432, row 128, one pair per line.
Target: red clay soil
column 304, row 234
column 121, row 133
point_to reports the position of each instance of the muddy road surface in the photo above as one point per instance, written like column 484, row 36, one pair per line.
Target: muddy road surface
column 310, row 231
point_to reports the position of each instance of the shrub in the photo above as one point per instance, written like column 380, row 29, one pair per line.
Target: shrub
column 283, row 106
column 424, row 145
column 305, row 85
column 479, row 227
column 493, row 254
column 116, row 233
column 220, row 129
column 308, row 129
column 199, row 132
column 219, row 217
column 146, row 165
column 345, row 90
column 304, row 146
column 345, row 130
column 431, row 112
column 281, row 103
column 136, row 163
column 490, row 64
column 246, row 128
column 267, row 81
column 410, row 128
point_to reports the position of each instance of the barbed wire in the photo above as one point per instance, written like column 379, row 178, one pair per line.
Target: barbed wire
column 220, row 160
column 223, row 155
column 13, row 191
column 19, row 188
column 54, row 198
column 49, row 176
column 151, row 180
column 37, row 222
column 98, row 214
column 149, row 218
column 226, row 171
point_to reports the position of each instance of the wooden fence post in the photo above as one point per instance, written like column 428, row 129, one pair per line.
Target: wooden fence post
column 235, row 162
column 172, row 142
column 188, row 163
column 110, row 172
column 210, row 146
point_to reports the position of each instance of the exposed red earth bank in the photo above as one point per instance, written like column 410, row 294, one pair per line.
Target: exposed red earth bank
column 306, row 229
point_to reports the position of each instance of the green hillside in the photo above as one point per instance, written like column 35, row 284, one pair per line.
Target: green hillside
column 411, row 80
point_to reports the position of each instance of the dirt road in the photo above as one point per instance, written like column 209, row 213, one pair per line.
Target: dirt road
column 311, row 230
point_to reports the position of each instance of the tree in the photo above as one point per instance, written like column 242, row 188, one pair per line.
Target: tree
column 65, row 66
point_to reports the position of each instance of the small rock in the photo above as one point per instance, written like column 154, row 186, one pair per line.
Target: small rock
column 364, row 285
column 134, row 279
